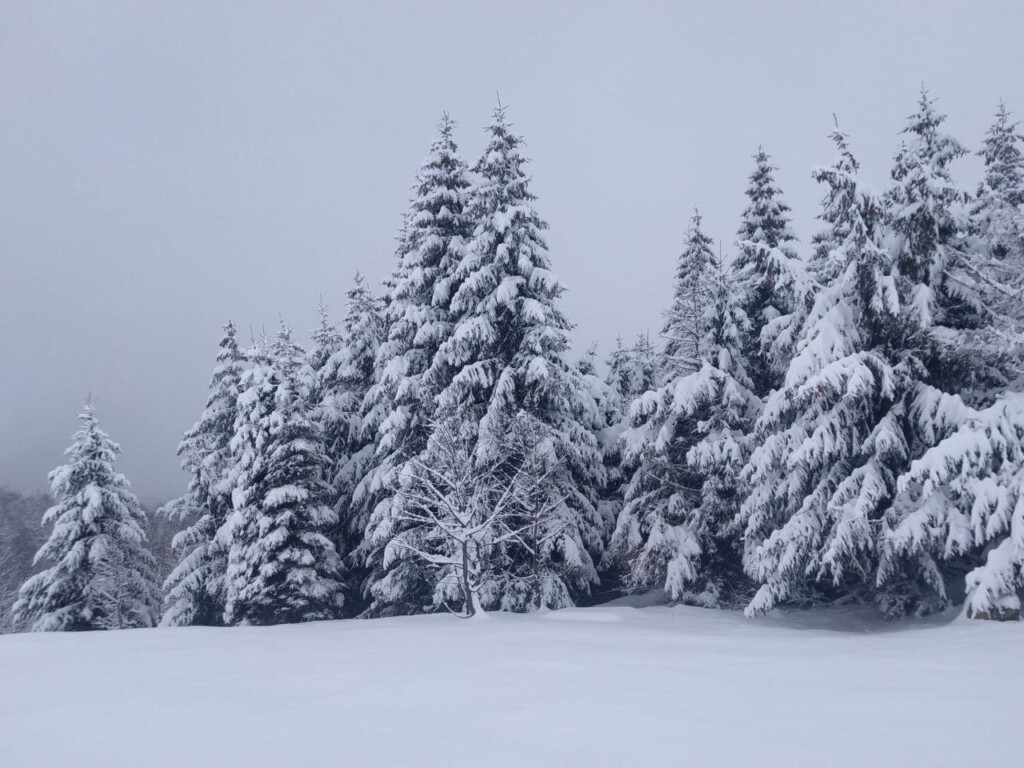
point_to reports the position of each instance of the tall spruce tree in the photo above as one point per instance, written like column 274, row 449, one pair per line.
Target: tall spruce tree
column 772, row 283
column 282, row 566
column 101, row 573
column 684, row 320
column 948, row 317
column 687, row 442
column 953, row 336
column 194, row 590
column 405, row 388
column 831, row 440
column 506, row 356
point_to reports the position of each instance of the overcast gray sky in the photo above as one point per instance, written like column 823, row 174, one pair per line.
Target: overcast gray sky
column 165, row 167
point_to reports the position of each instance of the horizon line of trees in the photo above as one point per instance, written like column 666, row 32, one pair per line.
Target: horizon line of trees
column 841, row 422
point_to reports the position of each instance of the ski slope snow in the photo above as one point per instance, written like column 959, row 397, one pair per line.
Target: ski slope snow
column 606, row 686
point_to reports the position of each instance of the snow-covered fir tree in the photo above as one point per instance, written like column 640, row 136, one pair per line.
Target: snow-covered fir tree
column 603, row 398
column 965, row 496
column 955, row 336
column 687, row 440
column 100, row 572
column 838, row 201
column 619, row 392
column 604, row 415
column 282, row 565
column 998, row 219
column 772, row 283
column 402, row 396
column 349, row 432
column 831, row 440
column 948, row 315
column 194, row 590
column 506, row 355
column 645, row 368
column 684, row 319
column 327, row 342
column 619, row 375
column 632, row 372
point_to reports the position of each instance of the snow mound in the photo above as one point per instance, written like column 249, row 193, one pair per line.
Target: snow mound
column 591, row 615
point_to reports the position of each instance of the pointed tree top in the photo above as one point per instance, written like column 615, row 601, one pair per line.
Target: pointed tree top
column 323, row 311
column 447, row 124
column 1002, row 123
column 284, row 332
column 358, row 287
column 498, row 114
column 88, row 412
column 927, row 119
column 841, row 139
column 762, row 163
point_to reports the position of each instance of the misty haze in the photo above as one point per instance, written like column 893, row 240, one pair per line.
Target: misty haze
column 531, row 384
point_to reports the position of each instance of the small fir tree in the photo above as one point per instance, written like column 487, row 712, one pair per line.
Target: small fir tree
column 684, row 320
column 327, row 342
column 101, row 573
column 644, row 364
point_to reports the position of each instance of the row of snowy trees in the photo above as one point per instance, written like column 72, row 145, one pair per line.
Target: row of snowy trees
column 845, row 426
column 842, row 424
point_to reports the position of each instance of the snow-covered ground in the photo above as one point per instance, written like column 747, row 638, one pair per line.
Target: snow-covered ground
column 607, row 686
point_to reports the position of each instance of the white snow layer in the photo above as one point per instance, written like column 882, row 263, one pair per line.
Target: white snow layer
column 609, row 686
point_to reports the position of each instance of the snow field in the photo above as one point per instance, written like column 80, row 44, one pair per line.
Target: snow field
column 609, row 686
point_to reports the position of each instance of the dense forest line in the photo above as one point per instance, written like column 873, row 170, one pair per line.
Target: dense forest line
column 836, row 420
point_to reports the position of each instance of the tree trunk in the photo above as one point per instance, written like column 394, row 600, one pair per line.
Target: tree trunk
column 467, row 590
